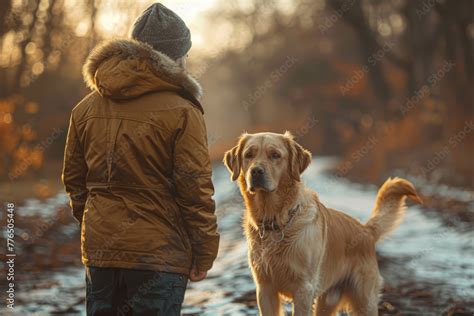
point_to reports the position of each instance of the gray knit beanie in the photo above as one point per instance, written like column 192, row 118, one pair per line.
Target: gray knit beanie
column 165, row 31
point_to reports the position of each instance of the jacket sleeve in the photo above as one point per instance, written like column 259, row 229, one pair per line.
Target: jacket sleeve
column 74, row 172
column 194, row 189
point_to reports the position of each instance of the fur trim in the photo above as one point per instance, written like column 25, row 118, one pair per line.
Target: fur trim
column 163, row 66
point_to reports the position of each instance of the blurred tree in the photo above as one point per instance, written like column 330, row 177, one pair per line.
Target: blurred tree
column 34, row 39
column 5, row 7
column 392, row 54
column 353, row 13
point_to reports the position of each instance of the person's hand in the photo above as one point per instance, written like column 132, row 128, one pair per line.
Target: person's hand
column 196, row 275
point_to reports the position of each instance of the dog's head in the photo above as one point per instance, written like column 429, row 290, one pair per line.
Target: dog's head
column 266, row 159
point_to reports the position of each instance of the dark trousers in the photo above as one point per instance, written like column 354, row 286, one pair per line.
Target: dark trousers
column 120, row 292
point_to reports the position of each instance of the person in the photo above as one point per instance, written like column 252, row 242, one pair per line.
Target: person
column 138, row 173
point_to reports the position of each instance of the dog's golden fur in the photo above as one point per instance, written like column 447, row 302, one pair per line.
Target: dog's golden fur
column 324, row 254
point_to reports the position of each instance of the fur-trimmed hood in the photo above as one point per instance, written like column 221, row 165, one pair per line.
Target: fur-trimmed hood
column 124, row 69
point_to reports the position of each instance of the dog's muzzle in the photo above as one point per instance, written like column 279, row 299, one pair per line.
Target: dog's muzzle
column 257, row 179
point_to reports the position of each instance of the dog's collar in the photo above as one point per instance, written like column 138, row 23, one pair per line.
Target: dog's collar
column 270, row 225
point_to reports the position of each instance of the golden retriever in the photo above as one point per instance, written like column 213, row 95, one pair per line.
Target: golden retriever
column 298, row 248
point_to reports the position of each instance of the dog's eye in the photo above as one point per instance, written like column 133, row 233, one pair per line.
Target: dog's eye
column 275, row 155
column 248, row 155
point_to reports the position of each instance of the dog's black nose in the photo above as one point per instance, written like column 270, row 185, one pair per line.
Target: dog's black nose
column 257, row 171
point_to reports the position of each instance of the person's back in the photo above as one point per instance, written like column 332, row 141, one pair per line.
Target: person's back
column 138, row 173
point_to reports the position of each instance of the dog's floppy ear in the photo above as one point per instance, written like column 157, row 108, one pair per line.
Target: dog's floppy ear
column 233, row 158
column 299, row 158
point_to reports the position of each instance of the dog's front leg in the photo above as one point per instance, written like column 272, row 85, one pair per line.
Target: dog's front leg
column 303, row 301
column 268, row 300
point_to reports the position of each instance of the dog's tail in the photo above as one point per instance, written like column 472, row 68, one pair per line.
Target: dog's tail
column 390, row 206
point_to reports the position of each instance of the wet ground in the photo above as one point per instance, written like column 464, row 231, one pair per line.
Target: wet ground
column 427, row 263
